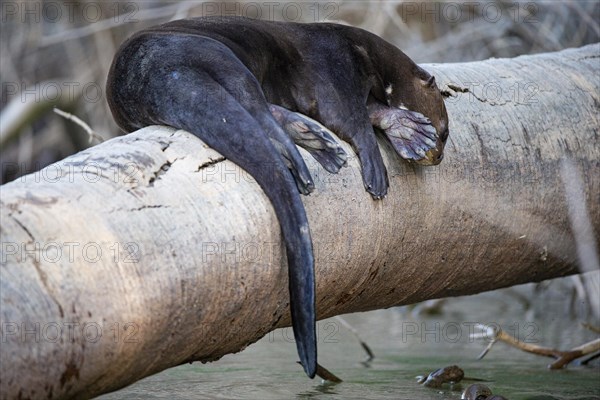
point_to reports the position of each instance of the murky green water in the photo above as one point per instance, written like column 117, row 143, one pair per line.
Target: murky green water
column 404, row 347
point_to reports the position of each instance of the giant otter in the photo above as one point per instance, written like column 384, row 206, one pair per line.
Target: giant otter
column 244, row 87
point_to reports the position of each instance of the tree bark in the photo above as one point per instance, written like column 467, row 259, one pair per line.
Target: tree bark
column 150, row 250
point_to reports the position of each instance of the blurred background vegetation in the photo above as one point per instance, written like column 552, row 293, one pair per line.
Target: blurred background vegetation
column 59, row 53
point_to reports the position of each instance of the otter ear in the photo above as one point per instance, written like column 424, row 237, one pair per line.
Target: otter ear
column 429, row 82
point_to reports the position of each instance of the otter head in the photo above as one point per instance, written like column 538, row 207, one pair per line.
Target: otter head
column 420, row 95
column 432, row 106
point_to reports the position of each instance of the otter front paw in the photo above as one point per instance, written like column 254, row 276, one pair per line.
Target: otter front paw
column 412, row 135
column 374, row 173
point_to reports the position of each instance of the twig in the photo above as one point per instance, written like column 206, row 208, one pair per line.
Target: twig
column 327, row 375
column 365, row 346
column 595, row 329
column 86, row 127
column 487, row 349
column 562, row 357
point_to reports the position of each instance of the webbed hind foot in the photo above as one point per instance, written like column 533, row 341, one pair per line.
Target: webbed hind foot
column 312, row 136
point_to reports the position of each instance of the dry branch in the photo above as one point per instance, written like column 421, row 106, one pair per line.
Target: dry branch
column 151, row 250
column 563, row 357
column 91, row 134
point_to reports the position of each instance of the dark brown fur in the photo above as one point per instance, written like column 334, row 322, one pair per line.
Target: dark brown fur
column 236, row 83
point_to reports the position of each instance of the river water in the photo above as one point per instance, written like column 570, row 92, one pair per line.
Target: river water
column 405, row 346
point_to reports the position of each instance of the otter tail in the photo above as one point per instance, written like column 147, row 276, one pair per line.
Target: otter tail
column 184, row 97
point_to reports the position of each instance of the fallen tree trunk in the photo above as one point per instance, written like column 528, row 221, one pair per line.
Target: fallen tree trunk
column 150, row 250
